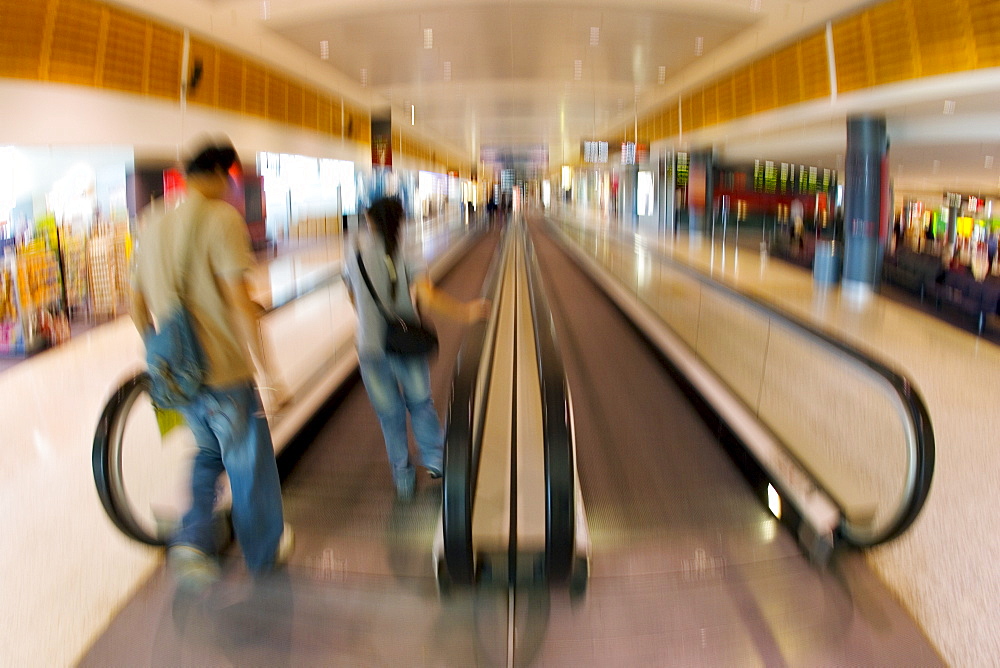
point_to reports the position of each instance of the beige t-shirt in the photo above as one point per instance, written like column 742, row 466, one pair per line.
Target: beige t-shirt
column 215, row 235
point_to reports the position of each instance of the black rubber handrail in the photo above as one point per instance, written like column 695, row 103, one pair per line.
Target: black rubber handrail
column 464, row 428
column 920, row 468
column 560, row 463
column 106, row 460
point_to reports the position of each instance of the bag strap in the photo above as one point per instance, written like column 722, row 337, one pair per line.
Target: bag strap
column 188, row 259
column 371, row 288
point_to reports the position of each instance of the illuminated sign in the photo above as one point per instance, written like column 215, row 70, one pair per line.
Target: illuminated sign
column 628, row 152
column 595, row 151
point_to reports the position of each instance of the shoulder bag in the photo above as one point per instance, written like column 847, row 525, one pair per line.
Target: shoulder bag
column 403, row 337
column 174, row 355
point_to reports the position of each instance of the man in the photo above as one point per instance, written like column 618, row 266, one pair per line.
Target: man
column 200, row 253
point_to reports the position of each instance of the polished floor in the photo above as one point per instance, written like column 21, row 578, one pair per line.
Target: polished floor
column 66, row 568
column 687, row 567
column 943, row 568
column 65, row 585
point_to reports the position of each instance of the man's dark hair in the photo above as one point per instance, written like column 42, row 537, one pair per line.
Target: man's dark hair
column 212, row 157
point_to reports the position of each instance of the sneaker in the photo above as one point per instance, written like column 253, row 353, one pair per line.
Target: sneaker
column 286, row 545
column 434, row 472
column 194, row 570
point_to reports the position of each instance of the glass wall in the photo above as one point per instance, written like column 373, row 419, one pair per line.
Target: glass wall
column 305, row 196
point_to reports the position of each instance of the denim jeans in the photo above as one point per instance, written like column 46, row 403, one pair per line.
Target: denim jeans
column 397, row 384
column 233, row 437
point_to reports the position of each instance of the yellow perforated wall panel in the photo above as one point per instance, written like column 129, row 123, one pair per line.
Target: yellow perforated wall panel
column 207, row 90
column 850, row 43
column 229, row 81
column 22, row 30
column 73, row 51
column 787, row 76
column 743, row 92
column 255, row 96
column 710, row 105
column 986, row 31
column 764, row 86
column 310, row 109
column 293, row 105
column 814, row 68
column 892, row 47
column 724, row 99
column 944, row 35
column 125, row 52
column 164, row 62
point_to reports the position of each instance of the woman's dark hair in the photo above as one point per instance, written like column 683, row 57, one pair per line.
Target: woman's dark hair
column 386, row 215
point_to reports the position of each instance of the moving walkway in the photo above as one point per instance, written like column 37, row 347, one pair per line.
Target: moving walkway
column 683, row 563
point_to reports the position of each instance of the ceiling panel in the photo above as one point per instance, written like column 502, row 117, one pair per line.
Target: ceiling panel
column 514, row 75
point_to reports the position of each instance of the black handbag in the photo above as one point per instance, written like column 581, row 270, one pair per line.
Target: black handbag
column 402, row 336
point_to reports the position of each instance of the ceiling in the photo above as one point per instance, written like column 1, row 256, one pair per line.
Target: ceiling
column 471, row 74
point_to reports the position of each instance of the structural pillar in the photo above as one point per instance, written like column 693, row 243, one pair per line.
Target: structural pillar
column 668, row 200
column 954, row 210
column 864, row 187
column 627, row 184
column 699, row 192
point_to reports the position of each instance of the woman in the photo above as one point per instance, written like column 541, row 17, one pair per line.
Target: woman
column 397, row 384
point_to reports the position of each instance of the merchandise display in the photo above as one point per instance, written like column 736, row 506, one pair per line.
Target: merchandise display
column 34, row 316
column 75, row 278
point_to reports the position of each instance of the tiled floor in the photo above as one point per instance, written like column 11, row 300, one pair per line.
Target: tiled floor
column 942, row 569
column 66, row 567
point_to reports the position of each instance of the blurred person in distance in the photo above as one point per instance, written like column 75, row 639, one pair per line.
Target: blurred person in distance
column 209, row 237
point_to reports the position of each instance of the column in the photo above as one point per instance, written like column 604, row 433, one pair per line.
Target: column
column 699, row 192
column 864, row 184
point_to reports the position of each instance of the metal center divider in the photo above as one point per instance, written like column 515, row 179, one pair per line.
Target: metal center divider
column 512, row 508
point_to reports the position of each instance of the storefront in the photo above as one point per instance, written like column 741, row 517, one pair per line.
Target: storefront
column 64, row 231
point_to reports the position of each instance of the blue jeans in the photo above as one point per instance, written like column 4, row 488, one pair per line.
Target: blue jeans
column 397, row 384
column 233, row 437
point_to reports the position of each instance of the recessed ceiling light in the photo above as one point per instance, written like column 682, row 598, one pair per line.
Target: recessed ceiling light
column 428, row 38
column 989, row 162
column 324, row 49
column 447, row 70
column 949, row 107
column 595, row 36
column 755, row 5
column 577, row 70
column 661, row 74
column 265, row 10
column 364, row 77
column 699, row 46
